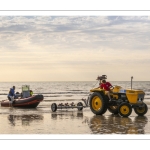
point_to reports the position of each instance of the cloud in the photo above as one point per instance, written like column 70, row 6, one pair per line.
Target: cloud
column 74, row 45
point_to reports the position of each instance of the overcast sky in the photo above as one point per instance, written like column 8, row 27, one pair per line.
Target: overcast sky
column 74, row 48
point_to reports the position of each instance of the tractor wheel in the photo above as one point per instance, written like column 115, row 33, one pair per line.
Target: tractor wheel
column 80, row 104
column 98, row 103
column 113, row 109
column 53, row 107
column 125, row 109
column 105, row 109
column 106, row 104
column 140, row 111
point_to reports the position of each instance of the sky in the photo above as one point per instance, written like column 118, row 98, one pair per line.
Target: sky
column 74, row 47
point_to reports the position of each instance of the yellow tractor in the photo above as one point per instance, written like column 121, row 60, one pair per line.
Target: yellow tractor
column 122, row 100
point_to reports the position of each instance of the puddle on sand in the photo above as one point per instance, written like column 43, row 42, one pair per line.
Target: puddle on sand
column 114, row 124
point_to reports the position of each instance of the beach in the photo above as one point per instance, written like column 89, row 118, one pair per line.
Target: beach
column 70, row 121
column 40, row 126
column 41, row 120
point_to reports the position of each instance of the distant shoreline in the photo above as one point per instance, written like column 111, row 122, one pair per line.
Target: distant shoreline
column 62, row 81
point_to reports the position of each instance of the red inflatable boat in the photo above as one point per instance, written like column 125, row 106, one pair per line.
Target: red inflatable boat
column 30, row 102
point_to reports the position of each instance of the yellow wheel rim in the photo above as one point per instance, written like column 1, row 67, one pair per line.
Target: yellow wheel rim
column 124, row 109
column 96, row 103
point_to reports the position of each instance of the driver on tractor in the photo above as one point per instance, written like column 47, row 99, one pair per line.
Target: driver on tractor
column 106, row 86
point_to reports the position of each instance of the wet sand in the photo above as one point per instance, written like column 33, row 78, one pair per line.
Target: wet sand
column 40, row 127
column 42, row 120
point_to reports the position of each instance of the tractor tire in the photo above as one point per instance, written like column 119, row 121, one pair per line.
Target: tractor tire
column 125, row 109
column 98, row 105
column 105, row 109
column 113, row 109
column 106, row 103
column 141, row 111
column 54, row 107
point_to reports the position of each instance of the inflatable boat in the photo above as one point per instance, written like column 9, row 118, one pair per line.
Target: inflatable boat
column 29, row 102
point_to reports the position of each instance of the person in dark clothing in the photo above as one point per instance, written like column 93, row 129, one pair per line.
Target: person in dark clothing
column 11, row 94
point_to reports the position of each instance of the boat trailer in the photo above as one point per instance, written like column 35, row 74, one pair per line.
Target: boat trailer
column 72, row 105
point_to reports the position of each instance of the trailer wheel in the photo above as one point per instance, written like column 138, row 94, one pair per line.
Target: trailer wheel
column 80, row 104
column 125, row 109
column 98, row 103
column 53, row 107
column 141, row 110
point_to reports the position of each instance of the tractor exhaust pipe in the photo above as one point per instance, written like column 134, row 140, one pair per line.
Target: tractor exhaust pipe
column 131, row 82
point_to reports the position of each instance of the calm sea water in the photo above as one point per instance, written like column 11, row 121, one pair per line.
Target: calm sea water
column 42, row 120
column 66, row 91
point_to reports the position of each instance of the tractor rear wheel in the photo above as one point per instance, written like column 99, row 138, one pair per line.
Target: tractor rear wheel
column 140, row 111
column 125, row 109
column 106, row 103
column 98, row 105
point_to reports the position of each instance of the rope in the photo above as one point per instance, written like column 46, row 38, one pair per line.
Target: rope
column 96, row 83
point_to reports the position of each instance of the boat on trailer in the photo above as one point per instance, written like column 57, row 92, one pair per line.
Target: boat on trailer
column 24, row 100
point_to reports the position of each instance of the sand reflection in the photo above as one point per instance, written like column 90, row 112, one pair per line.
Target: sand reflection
column 69, row 115
column 25, row 119
column 115, row 124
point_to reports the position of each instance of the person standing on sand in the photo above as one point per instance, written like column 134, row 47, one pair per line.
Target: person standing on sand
column 11, row 95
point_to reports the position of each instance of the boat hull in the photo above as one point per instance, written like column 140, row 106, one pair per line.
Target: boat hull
column 30, row 102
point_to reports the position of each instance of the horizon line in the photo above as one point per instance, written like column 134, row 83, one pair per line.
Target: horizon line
column 81, row 81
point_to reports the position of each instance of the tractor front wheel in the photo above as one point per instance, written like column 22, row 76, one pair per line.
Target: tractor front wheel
column 125, row 109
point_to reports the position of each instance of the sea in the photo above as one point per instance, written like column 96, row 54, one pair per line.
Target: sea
column 52, row 91
column 67, row 91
